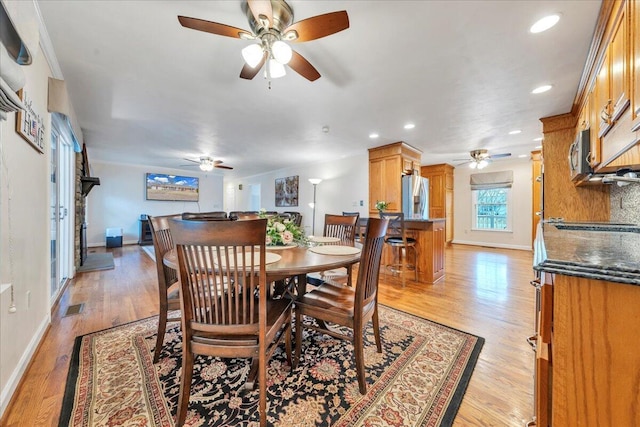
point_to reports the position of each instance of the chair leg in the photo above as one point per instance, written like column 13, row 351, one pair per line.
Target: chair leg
column 296, row 358
column 162, row 328
column 376, row 328
column 262, row 385
column 185, row 386
column 287, row 342
column 358, row 351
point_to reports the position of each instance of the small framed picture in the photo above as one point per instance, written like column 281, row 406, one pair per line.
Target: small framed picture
column 29, row 123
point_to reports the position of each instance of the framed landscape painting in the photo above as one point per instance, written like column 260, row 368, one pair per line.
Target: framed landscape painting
column 172, row 188
column 287, row 191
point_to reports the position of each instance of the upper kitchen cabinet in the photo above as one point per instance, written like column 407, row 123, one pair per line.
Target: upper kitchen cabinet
column 441, row 194
column 387, row 164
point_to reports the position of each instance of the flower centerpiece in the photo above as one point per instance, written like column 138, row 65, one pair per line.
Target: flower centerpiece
column 282, row 231
column 381, row 205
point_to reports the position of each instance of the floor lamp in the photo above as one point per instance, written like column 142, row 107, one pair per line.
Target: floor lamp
column 315, row 182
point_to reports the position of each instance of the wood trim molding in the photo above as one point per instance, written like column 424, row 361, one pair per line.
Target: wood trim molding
column 559, row 122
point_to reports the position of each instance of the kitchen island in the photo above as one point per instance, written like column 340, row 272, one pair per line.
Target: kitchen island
column 587, row 363
column 430, row 243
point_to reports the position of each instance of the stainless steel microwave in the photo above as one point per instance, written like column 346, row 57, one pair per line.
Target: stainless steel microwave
column 579, row 152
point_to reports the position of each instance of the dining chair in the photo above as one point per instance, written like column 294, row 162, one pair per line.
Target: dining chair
column 342, row 227
column 358, row 232
column 168, row 283
column 400, row 244
column 225, row 309
column 351, row 307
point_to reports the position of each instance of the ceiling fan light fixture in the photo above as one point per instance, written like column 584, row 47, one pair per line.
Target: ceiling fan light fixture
column 252, row 54
column 206, row 164
column 281, row 52
column 482, row 164
column 473, row 164
column 274, row 70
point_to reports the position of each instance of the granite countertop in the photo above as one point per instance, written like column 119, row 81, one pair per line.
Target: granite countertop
column 591, row 250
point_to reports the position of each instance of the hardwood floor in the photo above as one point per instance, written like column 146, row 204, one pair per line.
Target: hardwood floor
column 485, row 292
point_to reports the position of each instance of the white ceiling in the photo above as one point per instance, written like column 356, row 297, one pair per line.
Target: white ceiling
column 149, row 92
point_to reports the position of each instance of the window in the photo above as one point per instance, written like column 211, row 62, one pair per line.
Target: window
column 491, row 194
column 491, row 209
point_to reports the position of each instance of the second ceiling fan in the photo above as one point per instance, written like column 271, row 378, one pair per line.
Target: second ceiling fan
column 480, row 158
column 272, row 26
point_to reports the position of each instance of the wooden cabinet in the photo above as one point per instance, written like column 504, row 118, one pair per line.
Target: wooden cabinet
column 536, row 187
column 587, row 364
column 619, row 63
column 441, row 194
column 602, row 91
column 387, row 164
column 634, row 14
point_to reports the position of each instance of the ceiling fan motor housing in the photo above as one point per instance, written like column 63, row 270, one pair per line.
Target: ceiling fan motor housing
column 282, row 17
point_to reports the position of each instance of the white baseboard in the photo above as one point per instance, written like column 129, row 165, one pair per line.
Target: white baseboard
column 18, row 372
column 492, row 245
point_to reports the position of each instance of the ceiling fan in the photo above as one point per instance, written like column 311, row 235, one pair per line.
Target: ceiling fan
column 207, row 164
column 271, row 23
column 480, row 158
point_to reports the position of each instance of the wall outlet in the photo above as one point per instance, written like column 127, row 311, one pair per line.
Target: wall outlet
column 28, row 299
column 361, row 202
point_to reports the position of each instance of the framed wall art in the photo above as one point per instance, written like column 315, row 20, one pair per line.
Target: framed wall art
column 287, row 191
column 175, row 188
column 30, row 123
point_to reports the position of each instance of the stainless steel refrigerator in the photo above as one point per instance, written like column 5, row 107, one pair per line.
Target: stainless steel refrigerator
column 415, row 197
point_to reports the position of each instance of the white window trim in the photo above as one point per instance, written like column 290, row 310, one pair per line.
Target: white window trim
column 474, row 203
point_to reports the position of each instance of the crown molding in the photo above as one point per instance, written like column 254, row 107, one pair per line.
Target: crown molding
column 47, row 46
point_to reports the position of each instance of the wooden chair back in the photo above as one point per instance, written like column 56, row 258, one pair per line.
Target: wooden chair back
column 162, row 243
column 342, row 227
column 369, row 270
column 222, row 265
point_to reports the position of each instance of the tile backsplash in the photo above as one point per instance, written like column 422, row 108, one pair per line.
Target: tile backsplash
column 625, row 204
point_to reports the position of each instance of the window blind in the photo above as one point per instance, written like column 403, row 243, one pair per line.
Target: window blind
column 485, row 181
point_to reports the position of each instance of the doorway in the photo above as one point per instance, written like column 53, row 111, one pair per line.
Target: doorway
column 62, row 167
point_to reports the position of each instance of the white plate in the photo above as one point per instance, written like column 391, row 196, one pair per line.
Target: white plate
column 278, row 248
column 335, row 250
column 322, row 239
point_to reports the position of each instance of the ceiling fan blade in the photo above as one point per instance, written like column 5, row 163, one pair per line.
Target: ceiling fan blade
column 223, row 167
column 214, row 28
column 461, row 160
column 303, row 67
column 189, row 160
column 262, row 11
column 319, row 26
column 186, row 165
column 497, row 156
column 249, row 72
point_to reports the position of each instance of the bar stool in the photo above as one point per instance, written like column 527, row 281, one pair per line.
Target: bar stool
column 400, row 244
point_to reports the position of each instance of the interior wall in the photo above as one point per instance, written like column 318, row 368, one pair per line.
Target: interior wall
column 344, row 187
column 119, row 200
column 24, row 232
column 624, row 203
column 521, row 192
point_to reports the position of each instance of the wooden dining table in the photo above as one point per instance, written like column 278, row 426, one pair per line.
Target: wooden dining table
column 295, row 262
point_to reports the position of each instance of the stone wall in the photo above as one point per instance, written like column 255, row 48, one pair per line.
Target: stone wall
column 625, row 203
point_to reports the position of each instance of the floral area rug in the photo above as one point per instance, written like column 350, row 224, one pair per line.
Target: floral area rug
column 418, row 380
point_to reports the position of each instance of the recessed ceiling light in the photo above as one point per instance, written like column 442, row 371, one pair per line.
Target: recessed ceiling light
column 515, row 132
column 538, row 146
column 538, row 138
column 542, row 89
column 409, row 126
column 522, row 156
column 373, row 135
column 544, row 24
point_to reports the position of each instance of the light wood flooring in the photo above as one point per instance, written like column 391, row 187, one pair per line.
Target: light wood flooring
column 485, row 292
